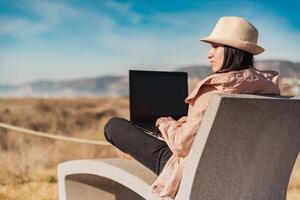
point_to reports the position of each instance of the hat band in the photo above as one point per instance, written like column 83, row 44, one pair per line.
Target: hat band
column 239, row 44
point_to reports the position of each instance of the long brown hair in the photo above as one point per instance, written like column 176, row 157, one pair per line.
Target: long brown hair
column 236, row 59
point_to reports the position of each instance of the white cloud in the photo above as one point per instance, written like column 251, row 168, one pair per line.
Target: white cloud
column 12, row 25
column 48, row 15
column 125, row 9
column 53, row 9
column 192, row 20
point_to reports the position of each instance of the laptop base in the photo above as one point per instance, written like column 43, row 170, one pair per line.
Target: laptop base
column 151, row 130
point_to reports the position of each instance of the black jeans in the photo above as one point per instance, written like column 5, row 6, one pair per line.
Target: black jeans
column 150, row 151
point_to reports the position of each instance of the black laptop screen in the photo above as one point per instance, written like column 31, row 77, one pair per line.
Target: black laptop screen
column 156, row 94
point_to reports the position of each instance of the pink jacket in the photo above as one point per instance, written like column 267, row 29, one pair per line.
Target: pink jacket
column 180, row 134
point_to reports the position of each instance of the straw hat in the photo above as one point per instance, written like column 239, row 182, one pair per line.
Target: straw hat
column 235, row 32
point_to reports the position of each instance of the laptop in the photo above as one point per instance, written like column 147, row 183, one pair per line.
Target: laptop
column 154, row 94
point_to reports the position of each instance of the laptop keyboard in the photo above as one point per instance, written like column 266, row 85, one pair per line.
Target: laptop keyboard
column 151, row 130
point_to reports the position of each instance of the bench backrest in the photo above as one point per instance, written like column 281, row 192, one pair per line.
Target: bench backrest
column 245, row 148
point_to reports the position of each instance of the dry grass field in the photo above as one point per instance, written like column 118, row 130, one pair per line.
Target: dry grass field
column 28, row 163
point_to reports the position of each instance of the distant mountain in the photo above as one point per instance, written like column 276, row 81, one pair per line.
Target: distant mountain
column 7, row 88
column 100, row 86
column 90, row 85
column 285, row 68
column 118, row 85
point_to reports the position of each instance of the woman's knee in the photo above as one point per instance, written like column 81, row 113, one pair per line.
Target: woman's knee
column 111, row 127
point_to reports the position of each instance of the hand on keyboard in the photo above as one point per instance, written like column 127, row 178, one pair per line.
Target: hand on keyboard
column 162, row 119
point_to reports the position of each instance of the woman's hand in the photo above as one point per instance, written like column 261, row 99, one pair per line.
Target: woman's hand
column 182, row 119
column 162, row 120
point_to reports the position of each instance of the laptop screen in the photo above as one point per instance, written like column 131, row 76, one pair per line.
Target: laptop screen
column 155, row 94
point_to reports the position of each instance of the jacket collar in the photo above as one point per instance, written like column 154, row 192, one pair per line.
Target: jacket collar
column 248, row 80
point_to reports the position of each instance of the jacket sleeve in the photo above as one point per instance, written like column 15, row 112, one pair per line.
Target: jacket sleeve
column 179, row 135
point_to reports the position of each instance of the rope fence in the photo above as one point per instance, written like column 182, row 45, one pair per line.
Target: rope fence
column 52, row 136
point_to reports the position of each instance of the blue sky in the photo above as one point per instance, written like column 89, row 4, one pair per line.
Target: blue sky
column 49, row 39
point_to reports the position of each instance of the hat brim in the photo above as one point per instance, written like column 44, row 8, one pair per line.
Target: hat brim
column 246, row 46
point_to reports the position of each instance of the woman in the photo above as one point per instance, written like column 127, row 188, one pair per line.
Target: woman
column 233, row 44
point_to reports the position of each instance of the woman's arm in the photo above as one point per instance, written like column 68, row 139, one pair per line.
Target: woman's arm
column 180, row 135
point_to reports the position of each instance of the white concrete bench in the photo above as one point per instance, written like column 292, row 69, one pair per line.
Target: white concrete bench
column 245, row 148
